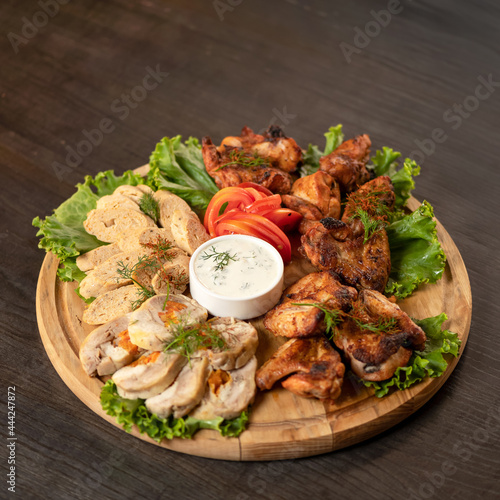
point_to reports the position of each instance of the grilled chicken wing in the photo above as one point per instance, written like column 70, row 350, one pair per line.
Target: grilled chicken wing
column 330, row 246
column 376, row 197
column 281, row 151
column 314, row 367
column 347, row 163
column 375, row 355
column 226, row 173
column 291, row 320
column 315, row 196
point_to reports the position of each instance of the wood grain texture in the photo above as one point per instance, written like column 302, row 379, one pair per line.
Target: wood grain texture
column 282, row 425
column 264, row 58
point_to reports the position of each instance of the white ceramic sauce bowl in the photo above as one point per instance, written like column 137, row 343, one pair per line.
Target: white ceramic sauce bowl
column 245, row 307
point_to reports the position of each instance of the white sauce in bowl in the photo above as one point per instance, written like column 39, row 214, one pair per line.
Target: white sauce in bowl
column 236, row 268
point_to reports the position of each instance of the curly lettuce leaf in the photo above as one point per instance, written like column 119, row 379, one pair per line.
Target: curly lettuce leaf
column 178, row 167
column 427, row 363
column 416, row 254
column 130, row 412
column 334, row 138
column 384, row 163
column 62, row 233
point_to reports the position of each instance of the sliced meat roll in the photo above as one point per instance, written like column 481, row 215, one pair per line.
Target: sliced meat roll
column 93, row 258
column 117, row 201
column 149, row 375
column 241, row 340
column 108, row 348
column 174, row 277
column 184, row 394
column 108, row 224
column 228, row 392
column 111, row 305
column 105, row 277
column 154, row 323
column 187, row 230
column 138, row 238
column 133, row 193
column 168, row 203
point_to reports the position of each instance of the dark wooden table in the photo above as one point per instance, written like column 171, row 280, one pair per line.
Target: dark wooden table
column 422, row 77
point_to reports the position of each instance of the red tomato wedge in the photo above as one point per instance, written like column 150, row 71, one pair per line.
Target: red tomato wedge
column 257, row 187
column 264, row 205
column 286, row 219
column 226, row 199
column 258, row 226
column 252, row 210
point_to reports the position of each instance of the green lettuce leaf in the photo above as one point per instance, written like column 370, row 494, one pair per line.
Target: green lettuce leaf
column 384, row 163
column 62, row 233
column 334, row 138
column 130, row 412
column 416, row 254
column 428, row 363
column 178, row 167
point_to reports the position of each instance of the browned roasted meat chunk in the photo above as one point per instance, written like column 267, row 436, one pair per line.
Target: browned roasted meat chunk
column 315, row 369
column 330, row 246
column 291, row 320
column 347, row 163
column 264, row 159
column 233, row 166
column 315, row 196
column 376, row 198
column 378, row 337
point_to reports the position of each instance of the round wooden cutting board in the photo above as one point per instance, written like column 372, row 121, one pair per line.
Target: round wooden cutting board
column 282, row 425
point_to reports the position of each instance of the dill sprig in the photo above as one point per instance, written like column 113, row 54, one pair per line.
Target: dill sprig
column 383, row 325
column 238, row 157
column 190, row 338
column 221, row 259
column 160, row 252
column 371, row 224
column 127, row 272
column 149, row 206
column 333, row 317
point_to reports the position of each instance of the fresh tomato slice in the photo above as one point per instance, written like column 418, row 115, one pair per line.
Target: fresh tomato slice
column 258, row 226
column 224, row 200
column 264, row 205
column 256, row 186
column 257, row 195
column 286, row 219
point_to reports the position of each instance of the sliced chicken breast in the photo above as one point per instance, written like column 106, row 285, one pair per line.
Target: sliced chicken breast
column 108, row 348
column 241, row 340
column 149, row 375
column 154, row 323
column 228, row 392
column 184, row 394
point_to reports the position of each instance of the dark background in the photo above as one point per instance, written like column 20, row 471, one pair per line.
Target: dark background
column 278, row 61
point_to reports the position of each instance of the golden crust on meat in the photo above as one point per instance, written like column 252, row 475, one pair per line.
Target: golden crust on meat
column 291, row 320
column 313, row 368
column 347, row 163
